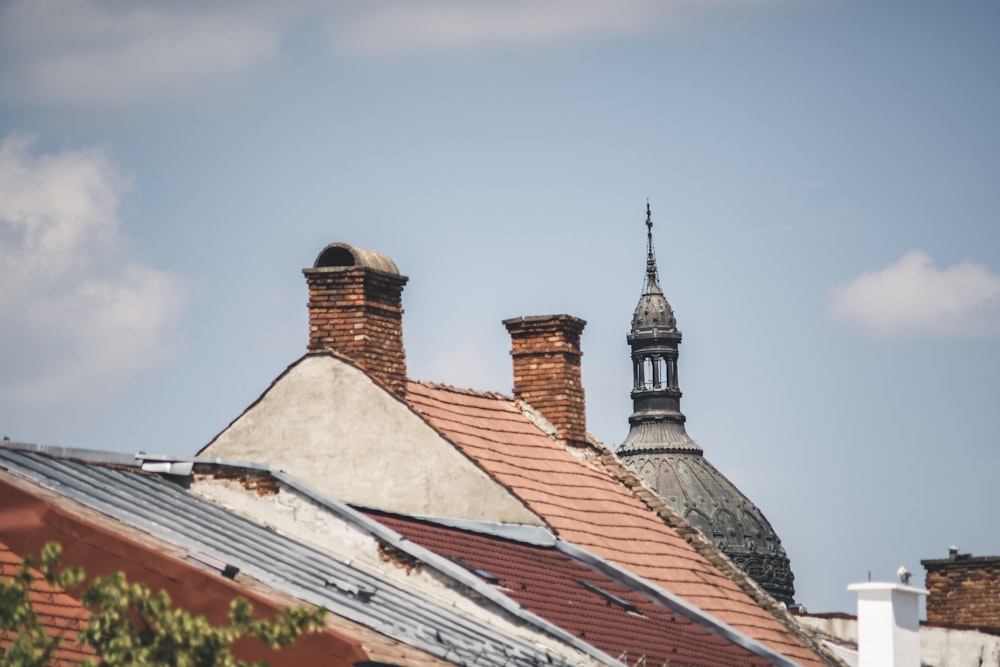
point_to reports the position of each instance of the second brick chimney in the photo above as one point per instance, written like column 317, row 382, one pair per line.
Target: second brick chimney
column 546, row 351
column 356, row 309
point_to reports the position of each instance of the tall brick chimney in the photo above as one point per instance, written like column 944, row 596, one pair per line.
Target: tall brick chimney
column 356, row 309
column 546, row 351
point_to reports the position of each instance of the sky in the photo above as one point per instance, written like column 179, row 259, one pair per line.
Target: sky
column 824, row 177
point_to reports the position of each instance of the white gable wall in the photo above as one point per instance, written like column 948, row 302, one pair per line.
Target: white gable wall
column 327, row 423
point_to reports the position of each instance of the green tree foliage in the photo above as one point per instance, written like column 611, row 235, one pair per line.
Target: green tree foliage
column 30, row 645
column 129, row 626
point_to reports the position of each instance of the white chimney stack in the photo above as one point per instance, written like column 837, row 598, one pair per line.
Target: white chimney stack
column 888, row 624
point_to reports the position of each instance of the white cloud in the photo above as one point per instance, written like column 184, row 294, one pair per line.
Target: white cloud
column 79, row 318
column 95, row 53
column 406, row 27
column 109, row 54
column 912, row 298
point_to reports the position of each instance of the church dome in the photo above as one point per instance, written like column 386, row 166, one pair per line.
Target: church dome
column 718, row 509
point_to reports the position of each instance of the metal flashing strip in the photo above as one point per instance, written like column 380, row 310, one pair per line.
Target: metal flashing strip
column 675, row 604
column 161, row 508
column 538, row 536
column 609, row 597
column 176, row 468
column 75, row 454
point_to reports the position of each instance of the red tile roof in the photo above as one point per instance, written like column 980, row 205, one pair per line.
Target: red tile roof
column 60, row 614
column 547, row 582
column 583, row 500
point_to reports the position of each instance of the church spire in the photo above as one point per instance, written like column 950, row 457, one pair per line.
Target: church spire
column 657, row 419
column 652, row 277
column 659, row 449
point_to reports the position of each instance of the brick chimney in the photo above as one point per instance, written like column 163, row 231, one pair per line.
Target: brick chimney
column 356, row 309
column 964, row 591
column 546, row 351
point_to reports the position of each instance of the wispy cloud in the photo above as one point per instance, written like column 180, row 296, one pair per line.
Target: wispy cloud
column 912, row 298
column 108, row 54
column 406, row 27
column 93, row 53
column 397, row 26
column 79, row 317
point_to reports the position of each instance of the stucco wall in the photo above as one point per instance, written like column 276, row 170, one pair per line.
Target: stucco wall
column 330, row 425
column 939, row 647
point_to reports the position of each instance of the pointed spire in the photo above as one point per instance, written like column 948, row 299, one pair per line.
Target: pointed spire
column 652, row 275
column 659, row 449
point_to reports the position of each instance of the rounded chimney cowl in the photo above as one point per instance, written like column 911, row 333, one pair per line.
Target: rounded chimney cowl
column 345, row 256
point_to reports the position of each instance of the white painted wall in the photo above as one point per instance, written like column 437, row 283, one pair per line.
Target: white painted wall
column 327, row 423
column 888, row 624
column 939, row 647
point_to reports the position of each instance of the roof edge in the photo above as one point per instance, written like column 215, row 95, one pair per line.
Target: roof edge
column 327, row 352
column 350, row 515
column 692, row 536
column 444, row 566
column 81, row 454
column 538, row 536
column 675, row 604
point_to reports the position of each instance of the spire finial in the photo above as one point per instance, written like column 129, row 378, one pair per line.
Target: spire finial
column 652, row 278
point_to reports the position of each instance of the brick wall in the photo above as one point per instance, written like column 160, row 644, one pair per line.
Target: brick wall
column 546, row 352
column 964, row 591
column 358, row 312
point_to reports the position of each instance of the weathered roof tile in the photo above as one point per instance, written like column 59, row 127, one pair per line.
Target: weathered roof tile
column 607, row 612
column 585, row 504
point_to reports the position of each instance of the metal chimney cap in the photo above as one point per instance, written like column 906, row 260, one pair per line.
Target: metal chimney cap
column 345, row 256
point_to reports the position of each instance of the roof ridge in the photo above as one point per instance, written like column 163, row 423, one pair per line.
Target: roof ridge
column 325, row 352
column 461, row 390
column 715, row 556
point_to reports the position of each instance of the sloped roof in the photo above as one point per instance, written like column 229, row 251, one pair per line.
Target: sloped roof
column 586, row 503
column 606, row 611
column 60, row 614
column 213, row 535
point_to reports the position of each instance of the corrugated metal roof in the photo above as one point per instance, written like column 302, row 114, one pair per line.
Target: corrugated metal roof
column 166, row 510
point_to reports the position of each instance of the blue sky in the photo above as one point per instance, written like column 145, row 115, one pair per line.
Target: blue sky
column 824, row 177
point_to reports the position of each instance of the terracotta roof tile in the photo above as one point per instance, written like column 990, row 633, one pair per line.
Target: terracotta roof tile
column 547, row 582
column 585, row 504
column 60, row 614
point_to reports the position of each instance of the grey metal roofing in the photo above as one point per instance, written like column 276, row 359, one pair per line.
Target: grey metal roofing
column 211, row 533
